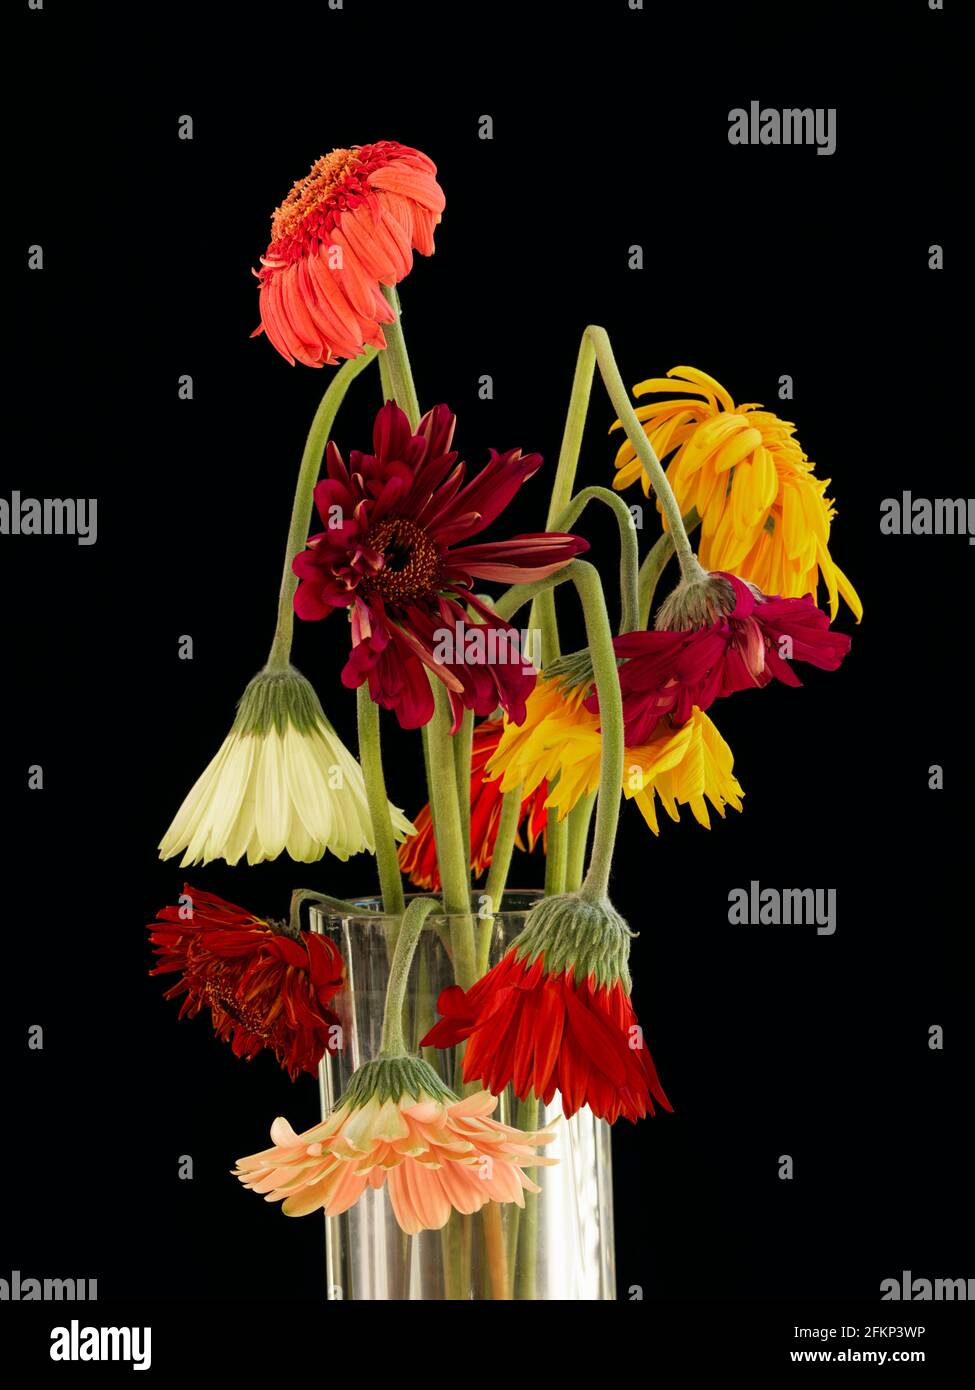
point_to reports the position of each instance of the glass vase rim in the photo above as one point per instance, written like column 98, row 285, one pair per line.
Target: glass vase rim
column 372, row 916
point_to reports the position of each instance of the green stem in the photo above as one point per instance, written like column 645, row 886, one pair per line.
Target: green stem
column 525, row 1286
column 579, row 819
column 301, row 510
column 370, row 755
column 393, row 1043
column 504, row 845
column 629, row 547
column 556, row 853
column 337, row 907
column 453, row 864
column 396, row 362
column 462, row 743
column 654, row 564
column 620, row 397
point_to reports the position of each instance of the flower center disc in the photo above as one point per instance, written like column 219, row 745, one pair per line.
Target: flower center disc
column 411, row 561
column 324, row 177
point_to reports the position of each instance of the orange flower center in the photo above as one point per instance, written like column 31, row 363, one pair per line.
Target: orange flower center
column 411, row 561
column 325, row 176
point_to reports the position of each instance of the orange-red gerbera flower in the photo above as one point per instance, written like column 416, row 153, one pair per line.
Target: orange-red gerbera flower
column 264, row 985
column 555, row 1015
column 418, row 857
column 351, row 224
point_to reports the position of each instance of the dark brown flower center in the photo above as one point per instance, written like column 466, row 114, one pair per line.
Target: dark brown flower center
column 412, row 565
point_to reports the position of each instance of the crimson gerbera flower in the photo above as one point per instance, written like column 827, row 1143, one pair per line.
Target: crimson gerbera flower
column 390, row 557
column 418, row 854
column 264, row 985
column 751, row 639
column 351, row 224
column 555, row 1015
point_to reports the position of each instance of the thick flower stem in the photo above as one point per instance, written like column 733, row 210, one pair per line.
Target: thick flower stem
column 556, row 853
column 462, row 745
column 620, row 397
column 504, row 845
column 370, row 755
column 336, row 907
column 301, row 510
column 393, row 1043
column 448, row 833
column 629, row 548
column 654, row 564
column 527, row 1257
column 494, row 1247
column 397, row 363
column 606, row 675
column 579, row 819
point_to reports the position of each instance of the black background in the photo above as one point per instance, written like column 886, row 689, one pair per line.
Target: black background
column 610, row 128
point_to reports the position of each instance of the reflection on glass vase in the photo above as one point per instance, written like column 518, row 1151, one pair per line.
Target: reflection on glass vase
column 560, row 1245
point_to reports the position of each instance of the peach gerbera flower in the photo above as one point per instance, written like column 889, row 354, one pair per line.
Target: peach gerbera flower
column 351, row 224
column 397, row 1125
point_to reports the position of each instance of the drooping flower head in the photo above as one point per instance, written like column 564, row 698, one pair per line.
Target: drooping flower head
column 764, row 513
column 350, row 225
column 561, row 740
column 398, row 1126
column 392, row 557
column 418, row 854
column 266, row 985
column 555, row 1015
column 282, row 780
column 745, row 639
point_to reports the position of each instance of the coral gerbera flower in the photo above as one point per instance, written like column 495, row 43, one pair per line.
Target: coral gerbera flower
column 560, row 740
column 750, row 641
column 282, row 779
column 390, row 557
column 348, row 226
column 418, row 854
column 398, row 1126
column 555, row 1015
column 763, row 512
column 265, row 984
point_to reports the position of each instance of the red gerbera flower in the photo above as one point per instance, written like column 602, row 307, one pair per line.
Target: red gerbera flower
column 390, row 556
column 555, row 1015
column 348, row 226
column 264, row 986
column 751, row 640
column 418, row 854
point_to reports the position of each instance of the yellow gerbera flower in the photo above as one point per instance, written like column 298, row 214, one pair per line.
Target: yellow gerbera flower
column 764, row 515
column 689, row 766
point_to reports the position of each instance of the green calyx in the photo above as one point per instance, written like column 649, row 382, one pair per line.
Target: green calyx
column 573, row 933
column 392, row 1078
column 275, row 699
column 571, row 671
column 695, row 603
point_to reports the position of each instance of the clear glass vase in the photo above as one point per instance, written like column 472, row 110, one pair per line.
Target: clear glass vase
column 560, row 1246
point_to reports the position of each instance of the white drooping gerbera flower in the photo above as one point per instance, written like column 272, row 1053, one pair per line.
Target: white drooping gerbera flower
column 282, row 780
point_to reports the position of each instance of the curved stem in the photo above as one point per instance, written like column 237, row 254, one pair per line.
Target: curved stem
column 579, row 819
column 620, row 397
column 301, row 510
column 629, row 547
column 393, row 1042
column 586, row 579
column 396, row 362
column 370, row 755
column 654, row 564
column 336, row 906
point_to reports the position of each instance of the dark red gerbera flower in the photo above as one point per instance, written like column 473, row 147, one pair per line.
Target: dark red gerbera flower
column 555, row 1015
column 418, row 854
column 751, row 640
column 390, row 556
column 263, row 985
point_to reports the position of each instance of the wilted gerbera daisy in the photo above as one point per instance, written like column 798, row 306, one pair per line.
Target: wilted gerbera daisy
column 418, row 854
column 348, row 226
column 282, row 780
column 764, row 514
column 751, row 640
column 390, row 557
column 265, row 984
column 560, row 740
column 398, row 1126
column 555, row 1015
